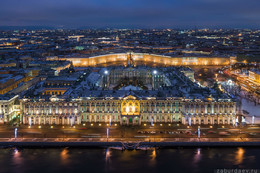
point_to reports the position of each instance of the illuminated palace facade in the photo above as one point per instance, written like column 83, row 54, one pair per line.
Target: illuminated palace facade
column 129, row 95
column 127, row 110
column 130, row 101
column 148, row 59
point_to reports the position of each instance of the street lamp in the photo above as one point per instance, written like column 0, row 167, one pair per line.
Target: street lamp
column 230, row 82
column 15, row 133
column 107, row 134
column 198, row 132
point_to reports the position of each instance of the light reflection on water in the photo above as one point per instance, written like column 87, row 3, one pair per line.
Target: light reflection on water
column 153, row 155
column 17, row 159
column 64, row 156
column 110, row 160
column 107, row 154
column 197, row 156
column 239, row 157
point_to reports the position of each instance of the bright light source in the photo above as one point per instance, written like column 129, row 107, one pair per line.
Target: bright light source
column 40, row 127
column 230, row 82
column 127, row 109
column 99, row 124
column 51, row 127
column 154, row 72
column 15, row 133
column 91, row 124
column 106, row 72
column 144, row 124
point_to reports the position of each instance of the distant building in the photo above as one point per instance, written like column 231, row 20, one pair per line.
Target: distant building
column 254, row 75
column 147, row 59
column 9, row 82
column 9, row 108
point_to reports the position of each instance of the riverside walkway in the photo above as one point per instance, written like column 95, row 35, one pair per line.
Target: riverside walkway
column 114, row 142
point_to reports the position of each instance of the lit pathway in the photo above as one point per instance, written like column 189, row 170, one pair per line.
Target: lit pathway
column 130, row 139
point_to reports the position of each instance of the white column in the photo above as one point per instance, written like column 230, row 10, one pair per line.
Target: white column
column 79, row 119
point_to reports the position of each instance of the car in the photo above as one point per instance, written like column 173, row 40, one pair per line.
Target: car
column 212, row 132
column 82, row 128
column 188, row 133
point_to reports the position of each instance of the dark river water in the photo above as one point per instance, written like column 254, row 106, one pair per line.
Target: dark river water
column 108, row 160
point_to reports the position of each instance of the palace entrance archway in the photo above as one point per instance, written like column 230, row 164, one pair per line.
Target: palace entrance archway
column 130, row 111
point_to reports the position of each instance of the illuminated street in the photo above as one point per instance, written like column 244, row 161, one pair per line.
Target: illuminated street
column 130, row 86
column 160, row 132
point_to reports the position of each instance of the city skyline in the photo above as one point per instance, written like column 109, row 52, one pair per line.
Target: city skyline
column 131, row 14
column 129, row 86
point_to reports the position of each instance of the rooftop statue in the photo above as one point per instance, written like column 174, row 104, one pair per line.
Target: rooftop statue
column 130, row 60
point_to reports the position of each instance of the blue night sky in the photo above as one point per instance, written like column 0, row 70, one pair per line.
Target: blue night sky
column 131, row 13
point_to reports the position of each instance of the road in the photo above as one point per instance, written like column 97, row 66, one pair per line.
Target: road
column 159, row 131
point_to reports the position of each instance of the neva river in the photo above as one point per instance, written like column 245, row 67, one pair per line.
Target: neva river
column 107, row 160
